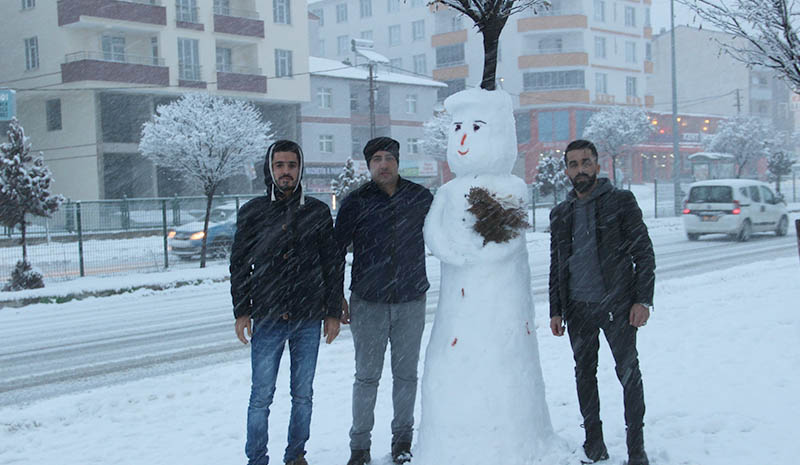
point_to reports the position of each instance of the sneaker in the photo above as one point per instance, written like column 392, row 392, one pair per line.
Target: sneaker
column 359, row 457
column 300, row 460
column 401, row 452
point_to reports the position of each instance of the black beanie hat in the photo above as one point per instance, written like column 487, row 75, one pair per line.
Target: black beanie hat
column 382, row 143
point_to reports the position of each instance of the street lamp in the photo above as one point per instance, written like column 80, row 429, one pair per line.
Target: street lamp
column 364, row 48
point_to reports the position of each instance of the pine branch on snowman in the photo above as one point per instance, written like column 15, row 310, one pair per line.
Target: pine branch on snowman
column 494, row 221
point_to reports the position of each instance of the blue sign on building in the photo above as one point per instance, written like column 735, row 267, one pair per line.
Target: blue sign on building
column 8, row 104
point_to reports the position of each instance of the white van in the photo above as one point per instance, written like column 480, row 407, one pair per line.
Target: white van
column 737, row 207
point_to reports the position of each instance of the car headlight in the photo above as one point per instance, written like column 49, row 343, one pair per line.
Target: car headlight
column 171, row 234
column 197, row 236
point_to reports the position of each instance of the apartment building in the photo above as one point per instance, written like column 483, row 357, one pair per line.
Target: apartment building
column 89, row 73
column 560, row 65
column 336, row 122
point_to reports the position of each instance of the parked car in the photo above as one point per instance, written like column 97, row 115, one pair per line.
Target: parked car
column 737, row 207
column 186, row 241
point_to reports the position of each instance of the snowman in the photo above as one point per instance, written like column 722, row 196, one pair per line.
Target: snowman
column 483, row 397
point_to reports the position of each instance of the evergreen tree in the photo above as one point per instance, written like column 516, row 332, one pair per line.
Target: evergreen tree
column 551, row 174
column 348, row 180
column 24, row 185
column 779, row 164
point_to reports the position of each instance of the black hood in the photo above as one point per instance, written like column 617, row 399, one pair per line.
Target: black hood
column 283, row 146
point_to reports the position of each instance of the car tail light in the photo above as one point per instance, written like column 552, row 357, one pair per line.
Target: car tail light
column 736, row 208
column 686, row 209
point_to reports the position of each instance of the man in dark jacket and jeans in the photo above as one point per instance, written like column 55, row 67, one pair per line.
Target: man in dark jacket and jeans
column 602, row 274
column 383, row 221
column 285, row 278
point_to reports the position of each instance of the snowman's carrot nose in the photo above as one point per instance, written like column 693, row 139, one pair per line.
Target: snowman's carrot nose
column 463, row 138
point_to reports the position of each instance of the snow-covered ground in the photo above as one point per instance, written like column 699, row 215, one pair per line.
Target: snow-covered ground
column 720, row 359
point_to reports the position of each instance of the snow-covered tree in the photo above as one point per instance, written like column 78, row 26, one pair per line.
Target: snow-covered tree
column 767, row 29
column 616, row 130
column 746, row 138
column 779, row 164
column 437, row 130
column 207, row 139
column 24, row 190
column 348, row 180
column 490, row 17
column 550, row 173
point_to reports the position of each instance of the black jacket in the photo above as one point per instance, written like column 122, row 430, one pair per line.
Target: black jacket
column 388, row 247
column 624, row 248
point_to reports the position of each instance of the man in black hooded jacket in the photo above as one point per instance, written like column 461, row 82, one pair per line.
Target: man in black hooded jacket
column 285, row 278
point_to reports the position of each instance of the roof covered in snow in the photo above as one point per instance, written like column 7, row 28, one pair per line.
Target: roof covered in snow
column 711, row 156
column 331, row 68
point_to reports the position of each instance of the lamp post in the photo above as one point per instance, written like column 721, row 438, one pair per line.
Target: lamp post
column 677, row 161
column 363, row 48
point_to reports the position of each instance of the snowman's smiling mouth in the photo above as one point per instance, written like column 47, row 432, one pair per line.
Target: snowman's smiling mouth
column 462, row 153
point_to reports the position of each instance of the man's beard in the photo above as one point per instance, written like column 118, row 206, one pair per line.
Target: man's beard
column 289, row 183
column 583, row 183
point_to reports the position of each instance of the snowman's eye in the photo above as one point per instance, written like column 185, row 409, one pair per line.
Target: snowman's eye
column 475, row 127
column 458, row 127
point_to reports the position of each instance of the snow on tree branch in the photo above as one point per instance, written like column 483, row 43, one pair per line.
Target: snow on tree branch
column 437, row 130
column 746, row 138
column 767, row 31
column 615, row 130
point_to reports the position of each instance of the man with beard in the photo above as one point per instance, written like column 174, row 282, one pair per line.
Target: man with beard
column 383, row 221
column 602, row 275
column 285, row 279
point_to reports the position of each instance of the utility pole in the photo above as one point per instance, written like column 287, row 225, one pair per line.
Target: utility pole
column 371, row 100
column 677, row 161
column 738, row 103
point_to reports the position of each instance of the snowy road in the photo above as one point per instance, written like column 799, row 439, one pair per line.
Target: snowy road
column 52, row 349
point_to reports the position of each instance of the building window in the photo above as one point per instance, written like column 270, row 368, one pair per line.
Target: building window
column 600, row 10
column 32, row 53
column 449, row 55
column 413, row 145
column 326, row 143
column 319, row 13
column 630, row 86
column 53, row 112
column 549, row 45
column 186, row 11
column 222, row 7
column 342, row 45
column 321, row 47
column 418, row 30
column 523, row 123
column 411, row 103
column 549, row 80
column 581, row 121
column 28, row 4
column 324, row 97
column 630, row 16
column 224, row 60
column 366, row 8
column 421, row 64
column 341, row 13
column 394, row 35
column 281, row 13
column 553, row 126
column 648, row 51
column 283, row 63
column 601, row 83
column 396, row 63
column 154, row 50
column 366, row 35
column 453, row 86
column 393, row 5
column 647, row 17
column 630, row 52
column 600, row 47
column 188, row 59
column 353, row 102
column 113, row 48
column 356, row 146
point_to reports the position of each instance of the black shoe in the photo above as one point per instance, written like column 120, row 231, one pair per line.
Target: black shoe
column 359, row 457
column 635, row 442
column 300, row 460
column 401, row 452
column 594, row 447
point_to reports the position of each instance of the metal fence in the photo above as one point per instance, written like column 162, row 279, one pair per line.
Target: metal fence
column 106, row 237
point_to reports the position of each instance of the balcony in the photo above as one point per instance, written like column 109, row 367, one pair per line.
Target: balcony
column 188, row 18
column 549, row 22
column 554, row 57
column 631, row 100
column 75, row 12
column 561, row 96
column 604, row 99
column 190, row 75
column 241, row 79
column 239, row 22
column 449, row 38
column 451, row 72
column 98, row 66
column 648, row 66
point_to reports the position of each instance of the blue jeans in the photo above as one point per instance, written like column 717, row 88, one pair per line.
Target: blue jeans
column 266, row 348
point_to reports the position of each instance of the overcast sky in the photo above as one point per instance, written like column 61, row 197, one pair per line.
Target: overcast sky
column 659, row 15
